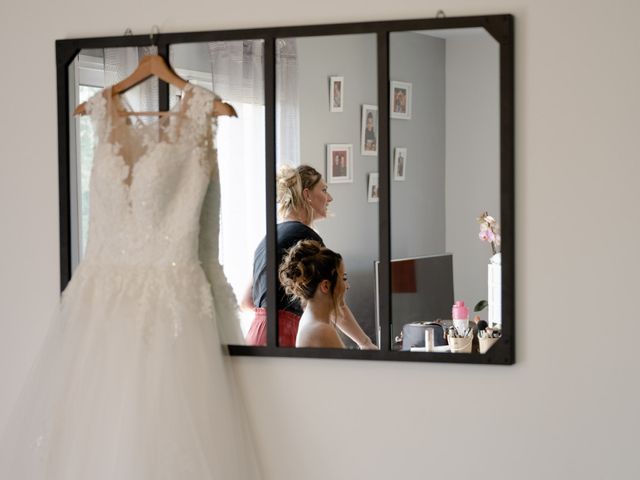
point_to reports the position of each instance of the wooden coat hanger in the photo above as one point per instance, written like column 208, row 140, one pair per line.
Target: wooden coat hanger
column 155, row 65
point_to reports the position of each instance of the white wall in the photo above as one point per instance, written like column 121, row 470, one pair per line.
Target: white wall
column 566, row 409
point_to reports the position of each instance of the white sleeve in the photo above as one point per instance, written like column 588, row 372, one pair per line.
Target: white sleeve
column 224, row 301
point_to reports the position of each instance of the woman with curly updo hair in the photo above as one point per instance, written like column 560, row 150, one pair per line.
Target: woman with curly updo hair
column 303, row 199
column 315, row 275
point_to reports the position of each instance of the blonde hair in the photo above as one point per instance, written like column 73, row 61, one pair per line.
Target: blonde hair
column 305, row 265
column 291, row 182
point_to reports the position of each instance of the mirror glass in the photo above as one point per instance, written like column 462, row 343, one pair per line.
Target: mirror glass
column 445, row 173
column 86, row 77
column 326, row 88
column 234, row 70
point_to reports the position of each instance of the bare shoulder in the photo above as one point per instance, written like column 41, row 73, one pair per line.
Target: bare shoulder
column 319, row 335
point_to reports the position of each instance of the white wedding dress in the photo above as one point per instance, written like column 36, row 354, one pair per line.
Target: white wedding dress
column 132, row 382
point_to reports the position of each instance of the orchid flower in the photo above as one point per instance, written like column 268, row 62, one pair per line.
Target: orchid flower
column 489, row 231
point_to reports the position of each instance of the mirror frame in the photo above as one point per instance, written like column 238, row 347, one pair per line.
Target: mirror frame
column 500, row 27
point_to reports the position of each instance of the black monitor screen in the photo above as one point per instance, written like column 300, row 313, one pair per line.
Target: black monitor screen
column 421, row 291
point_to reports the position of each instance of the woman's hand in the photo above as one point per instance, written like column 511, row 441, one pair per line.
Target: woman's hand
column 347, row 323
column 368, row 345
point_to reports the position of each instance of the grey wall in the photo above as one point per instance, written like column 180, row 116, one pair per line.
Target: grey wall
column 418, row 204
column 453, row 150
column 418, row 222
column 473, row 156
column 352, row 229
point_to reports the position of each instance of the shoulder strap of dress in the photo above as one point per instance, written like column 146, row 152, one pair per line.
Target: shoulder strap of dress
column 96, row 106
column 199, row 109
column 200, row 104
column 97, row 109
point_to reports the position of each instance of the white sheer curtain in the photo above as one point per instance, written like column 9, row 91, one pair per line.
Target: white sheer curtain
column 120, row 63
column 287, row 105
column 238, row 77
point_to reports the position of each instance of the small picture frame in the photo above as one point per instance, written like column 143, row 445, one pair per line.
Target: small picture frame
column 399, row 163
column 373, row 188
column 400, row 106
column 369, row 130
column 336, row 94
column 339, row 163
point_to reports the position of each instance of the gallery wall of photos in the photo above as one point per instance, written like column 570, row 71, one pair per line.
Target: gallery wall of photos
column 340, row 155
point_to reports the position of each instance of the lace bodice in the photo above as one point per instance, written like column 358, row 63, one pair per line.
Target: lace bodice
column 149, row 181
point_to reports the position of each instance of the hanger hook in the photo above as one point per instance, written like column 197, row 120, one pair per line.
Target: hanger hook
column 440, row 14
column 155, row 30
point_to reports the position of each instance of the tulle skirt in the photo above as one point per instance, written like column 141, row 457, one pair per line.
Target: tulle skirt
column 131, row 384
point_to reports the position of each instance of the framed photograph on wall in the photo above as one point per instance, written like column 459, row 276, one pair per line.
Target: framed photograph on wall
column 339, row 163
column 369, row 135
column 373, row 193
column 400, row 100
column 399, row 163
column 336, row 94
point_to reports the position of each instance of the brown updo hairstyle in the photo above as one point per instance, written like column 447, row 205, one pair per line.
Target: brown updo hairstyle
column 305, row 265
column 291, row 182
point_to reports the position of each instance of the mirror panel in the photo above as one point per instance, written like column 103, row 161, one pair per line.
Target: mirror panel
column 234, row 70
column 445, row 172
column 86, row 73
column 323, row 100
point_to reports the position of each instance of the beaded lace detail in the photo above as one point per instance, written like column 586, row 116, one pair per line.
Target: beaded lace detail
column 148, row 185
column 148, row 182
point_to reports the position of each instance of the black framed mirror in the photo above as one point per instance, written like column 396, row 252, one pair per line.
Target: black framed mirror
column 409, row 122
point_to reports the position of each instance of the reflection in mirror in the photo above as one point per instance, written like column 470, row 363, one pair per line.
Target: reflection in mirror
column 449, row 148
column 234, row 70
column 87, row 77
column 323, row 189
column 445, row 172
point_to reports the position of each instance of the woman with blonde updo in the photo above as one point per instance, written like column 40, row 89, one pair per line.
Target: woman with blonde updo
column 303, row 199
column 315, row 275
